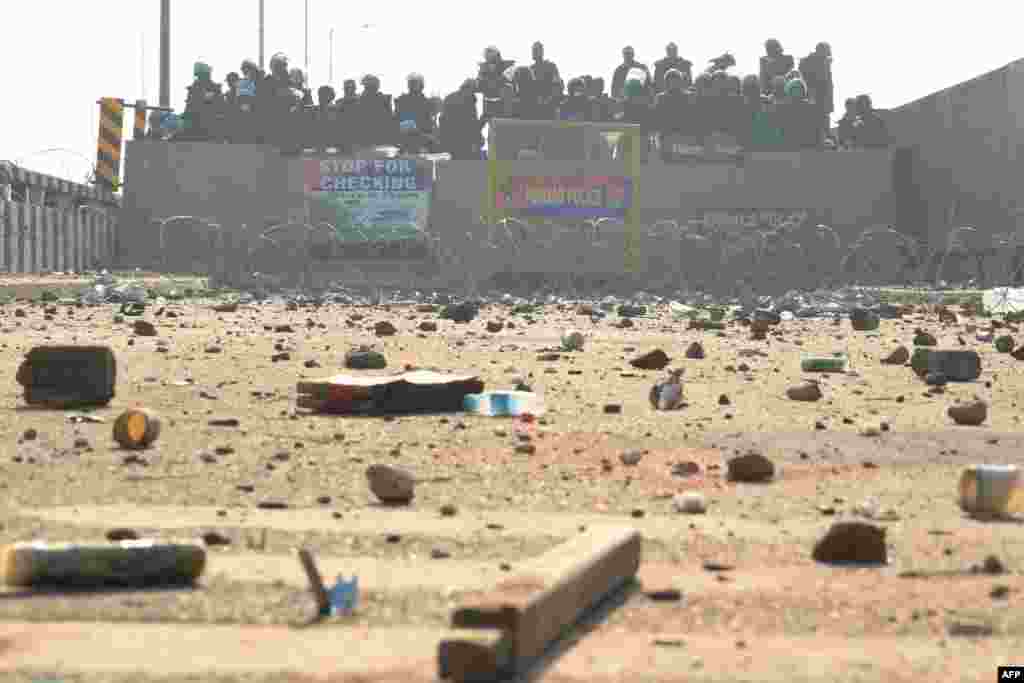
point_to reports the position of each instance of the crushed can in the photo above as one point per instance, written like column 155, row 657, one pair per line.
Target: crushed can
column 991, row 490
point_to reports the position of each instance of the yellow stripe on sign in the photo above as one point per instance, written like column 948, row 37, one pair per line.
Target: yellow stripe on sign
column 110, row 130
column 105, row 172
column 112, row 151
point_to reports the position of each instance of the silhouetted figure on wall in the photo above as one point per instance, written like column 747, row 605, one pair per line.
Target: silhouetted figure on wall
column 816, row 69
column 204, row 104
column 459, row 126
column 672, row 61
column 375, row 124
column 524, row 102
column 275, row 102
column 325, row 131
column 774, row 63
column 414, row 114
column 494, row 82
column 577, row 106
column 547, row 82
column 622, row 73
column 870, row 130
column 605, row 107
column 845, row 129
column 673, row 113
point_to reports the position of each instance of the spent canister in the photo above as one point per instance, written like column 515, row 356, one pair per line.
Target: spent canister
column 957, row 365
column 127, row 563
column 824, row 363
column 992, row 490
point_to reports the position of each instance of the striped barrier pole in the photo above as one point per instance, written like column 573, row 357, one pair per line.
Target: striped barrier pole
column 108, row 147
column 140, row 119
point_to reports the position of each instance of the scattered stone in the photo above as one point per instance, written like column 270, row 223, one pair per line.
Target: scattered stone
column 691, row 503
column 283, row 329
column 631, row 457
column 899, row 356
column 280, row 357
column 364, row 359
column 664, row 595
column 695, row 351
column 922, row 338
column 971, row 629
column 428, row 326
column 143, row 328
column 460, row 313
column 573, row 341
column 612, row 409
column 970, row 414
column 723, row 400
column 712, row 566
column 849, row 542
column 122, row 534
column 30, row 434
column 1018, row 354
column 526, row 449
column 495, row 326
column 936, row 379
column 213, row 349
column 272, row 505
column 224, row 422
column 685, row 469
column 863, row 320
column 449, row 510
column 439, row 554
column 751, row 468
column 652, row 360
column 384, row 329
column 212, row 538
column 390, row 484
column 806, row 391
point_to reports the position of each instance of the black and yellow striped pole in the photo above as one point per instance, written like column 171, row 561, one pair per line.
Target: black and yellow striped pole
column 140, row 119
column 108, row 147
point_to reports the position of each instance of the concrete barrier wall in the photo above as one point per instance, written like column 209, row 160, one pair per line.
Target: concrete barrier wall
column 967, row 146
column 236, row 185
column 39, row 239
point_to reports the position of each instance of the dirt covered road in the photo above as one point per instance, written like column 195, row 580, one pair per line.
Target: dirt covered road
column 752, row 603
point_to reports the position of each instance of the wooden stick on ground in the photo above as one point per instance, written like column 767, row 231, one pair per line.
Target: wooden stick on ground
column 532, row 608
column 316, row 582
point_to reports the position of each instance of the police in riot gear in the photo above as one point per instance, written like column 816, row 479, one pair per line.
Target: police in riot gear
column 459, row 126
column 374, row 118
column 204, row 105
column 414, row 114
column 547, row 82
column 670, row 61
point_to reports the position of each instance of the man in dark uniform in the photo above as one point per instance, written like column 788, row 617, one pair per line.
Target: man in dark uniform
column 774, row 63
column 816, row 69
column 622, row 71
column 415, row 117
column 204, row 104
column 460, row 126
column 672, row 60
column 374, row 118
column 547, row 81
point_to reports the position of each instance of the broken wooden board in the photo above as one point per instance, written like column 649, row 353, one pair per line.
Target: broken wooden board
column 470, row 655
column 532, row 608
column 418, row 390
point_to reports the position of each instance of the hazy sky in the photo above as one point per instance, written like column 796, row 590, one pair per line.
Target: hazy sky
column 75, row 52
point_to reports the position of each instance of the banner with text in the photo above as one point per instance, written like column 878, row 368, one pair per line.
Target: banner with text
column 566, row 196
column 371, row 200
column 718, row 147
column 745, row 220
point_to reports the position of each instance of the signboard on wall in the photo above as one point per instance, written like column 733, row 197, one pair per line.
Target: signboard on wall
column 685, row 149
column 370, row 200
column 745, row 220
column 579, row 196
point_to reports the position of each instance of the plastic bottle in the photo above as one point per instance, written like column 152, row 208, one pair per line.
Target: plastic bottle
column 504, row 403
column 992, row 490
column 834, row 363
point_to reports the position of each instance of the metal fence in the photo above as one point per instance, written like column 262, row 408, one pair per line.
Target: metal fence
column 38, row 239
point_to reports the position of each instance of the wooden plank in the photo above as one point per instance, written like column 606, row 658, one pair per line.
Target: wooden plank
column 15, row 233
column 534, row 606
column 58, row 238
column 4, row 204
column 473, row 655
